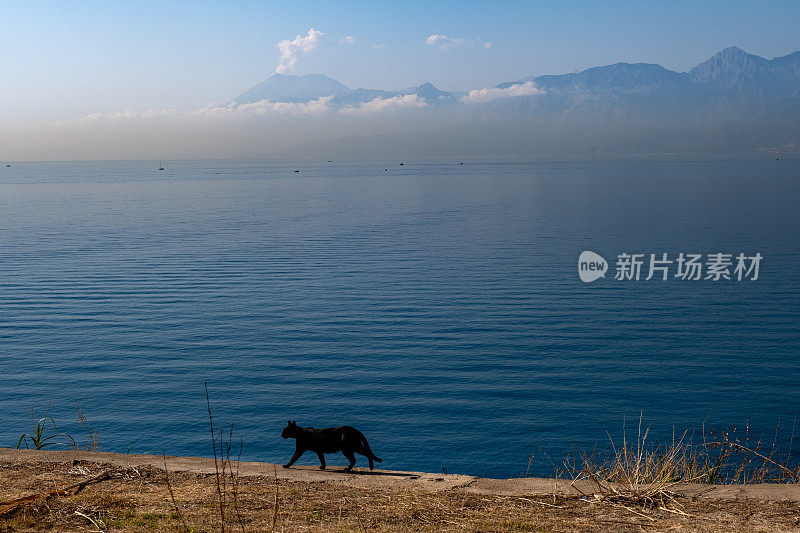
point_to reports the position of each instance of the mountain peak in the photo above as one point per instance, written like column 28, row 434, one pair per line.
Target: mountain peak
column 290, row 88
column 733, row 55
column 299, row 89
column 729, row 66
column 432, row 95
column 279, row 76
column 732, row 51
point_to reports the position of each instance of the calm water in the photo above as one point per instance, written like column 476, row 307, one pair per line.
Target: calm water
column 435, row 307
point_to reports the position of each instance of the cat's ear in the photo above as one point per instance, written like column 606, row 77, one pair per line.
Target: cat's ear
column 294, row 422
column 289, row 422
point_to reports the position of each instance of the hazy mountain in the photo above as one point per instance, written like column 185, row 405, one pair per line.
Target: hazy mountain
column 299, row 89
column 734, row 101
column 617, row 77
column 288, row 88
column 431, row 94
column 427, row 92
column 737, row 72
column 732, row 81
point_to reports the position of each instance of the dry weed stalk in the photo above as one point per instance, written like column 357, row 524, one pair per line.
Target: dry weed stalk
column 223, row 467
column 172, row 497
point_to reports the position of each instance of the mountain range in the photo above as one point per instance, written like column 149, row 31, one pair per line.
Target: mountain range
column 732, row 82
column 731, row 78
column 732, row 101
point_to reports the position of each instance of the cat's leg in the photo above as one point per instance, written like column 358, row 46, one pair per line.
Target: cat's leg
column 366, row 452
column 349, row 454
column 297, row 453
column 321, row 460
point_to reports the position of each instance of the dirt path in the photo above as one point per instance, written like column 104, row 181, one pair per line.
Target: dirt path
column 134, row 495
column 364, row 478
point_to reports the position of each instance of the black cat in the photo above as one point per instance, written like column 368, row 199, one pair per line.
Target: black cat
column 329, row 440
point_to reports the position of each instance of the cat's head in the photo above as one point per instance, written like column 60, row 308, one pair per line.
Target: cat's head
column 290, row 430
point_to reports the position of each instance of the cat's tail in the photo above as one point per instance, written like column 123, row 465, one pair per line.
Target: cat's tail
column 365, row 444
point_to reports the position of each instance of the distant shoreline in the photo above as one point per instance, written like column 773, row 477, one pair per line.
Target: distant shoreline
column 410, row 160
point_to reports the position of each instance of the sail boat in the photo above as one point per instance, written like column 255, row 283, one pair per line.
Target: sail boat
column 161, row 165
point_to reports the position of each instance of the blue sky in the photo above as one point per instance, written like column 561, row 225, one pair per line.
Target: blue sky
column 60, row 59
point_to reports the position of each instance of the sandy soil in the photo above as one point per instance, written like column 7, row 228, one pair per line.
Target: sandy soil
column 133, row 494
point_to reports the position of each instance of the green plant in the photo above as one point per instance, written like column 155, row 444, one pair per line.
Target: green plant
column 41, row 437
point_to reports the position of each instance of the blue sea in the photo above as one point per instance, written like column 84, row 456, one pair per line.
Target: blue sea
column 436, row 307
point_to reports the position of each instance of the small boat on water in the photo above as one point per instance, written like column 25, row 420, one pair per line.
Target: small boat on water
column 161, row 165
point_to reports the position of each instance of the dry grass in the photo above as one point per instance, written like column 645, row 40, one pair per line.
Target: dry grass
column 632, row 490
column 640, row 476
column 139, row 500
column 746, row 458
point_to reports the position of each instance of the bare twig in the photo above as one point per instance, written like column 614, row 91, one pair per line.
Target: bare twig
column 542, row 503
column 764, row 457
column 216, row 464
column 275, row 502
column 90, row 519
column 172, row 496
column 71, row 489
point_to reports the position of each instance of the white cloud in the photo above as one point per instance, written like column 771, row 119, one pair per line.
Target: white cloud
column 291, row 49
column 349, row 39
column 232, row 112
column 480, row 96
column 316, row 107
column 443, row 42
column 121, row 116
column 264, row 107
column 387, row 104
column 379, row 46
